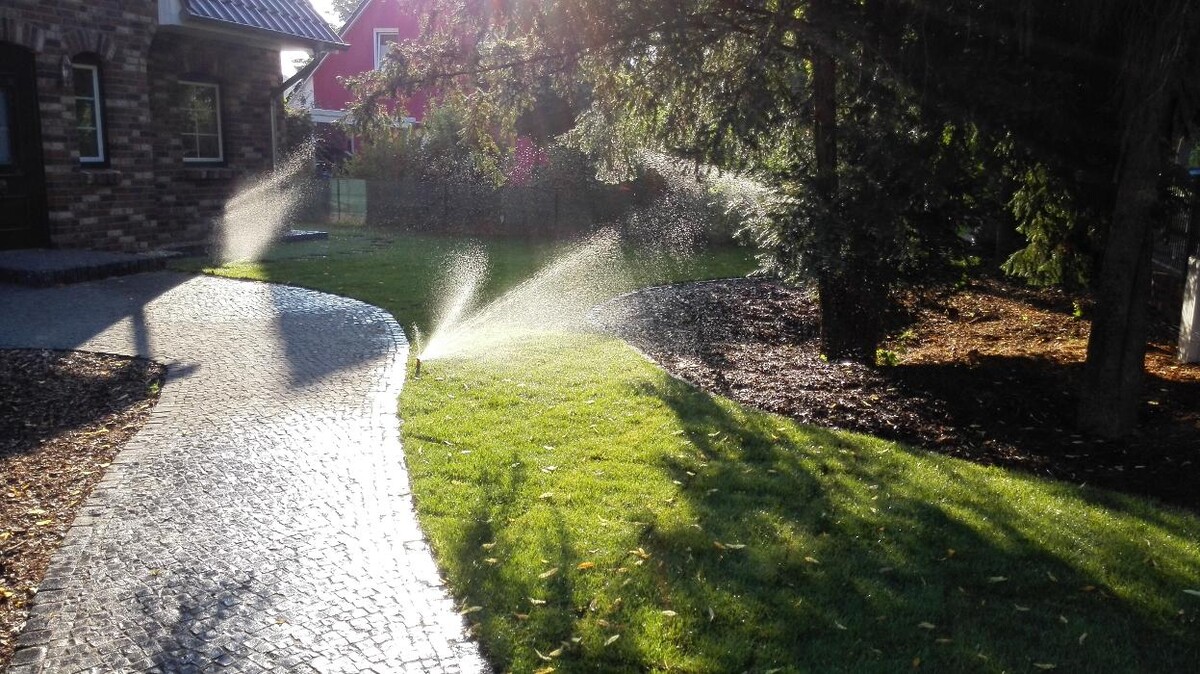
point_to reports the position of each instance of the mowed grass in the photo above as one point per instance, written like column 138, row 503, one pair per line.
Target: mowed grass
column 593, row 514
column 403, row 272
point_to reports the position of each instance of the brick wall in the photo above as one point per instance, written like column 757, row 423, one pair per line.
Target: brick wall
column 145, row 196
column 191, row 197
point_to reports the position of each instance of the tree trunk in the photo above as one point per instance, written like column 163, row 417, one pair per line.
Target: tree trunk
column 1112, row 378
column 1156, row 61
column 845, row 318
column 824, row 84
column 851, row 317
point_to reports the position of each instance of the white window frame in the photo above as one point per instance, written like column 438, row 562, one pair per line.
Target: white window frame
column 97, row 109
column 220, row 134
column 380, row 53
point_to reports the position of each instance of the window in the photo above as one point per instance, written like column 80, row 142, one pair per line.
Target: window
column 89, row 120
column 384, row 39
column 201, row 131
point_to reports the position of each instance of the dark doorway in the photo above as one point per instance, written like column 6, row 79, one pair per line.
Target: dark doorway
column 22, row 186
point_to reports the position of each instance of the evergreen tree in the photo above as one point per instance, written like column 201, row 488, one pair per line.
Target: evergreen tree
column 344, row 8
column 858, row 111
column 789, row 92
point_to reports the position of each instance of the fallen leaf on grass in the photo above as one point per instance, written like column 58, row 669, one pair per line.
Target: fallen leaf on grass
column 545, row 495
column 537, row 602
column 927, row 626
column 812, row 560
column 473, row 609
column 491, row 560
column 543, row 656
column 640, row 553
column 669, row 613
column 544, row 670
column 488, row 546
column 997, row 579
column 1082, row 637
column 584, row 566
column 547, row 574
column 1194, row 593
column 609, row 641
column 1044, row 665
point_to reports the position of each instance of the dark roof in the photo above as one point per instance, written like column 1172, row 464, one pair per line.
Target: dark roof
column 295, row 18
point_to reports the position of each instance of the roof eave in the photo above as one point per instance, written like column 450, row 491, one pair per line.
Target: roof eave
column 284, row 40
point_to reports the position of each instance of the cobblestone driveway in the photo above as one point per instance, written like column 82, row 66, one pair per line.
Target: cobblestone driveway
column 262, row 520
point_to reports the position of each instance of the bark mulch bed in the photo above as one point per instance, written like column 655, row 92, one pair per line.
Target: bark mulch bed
column 988, row 373
column 63, row 417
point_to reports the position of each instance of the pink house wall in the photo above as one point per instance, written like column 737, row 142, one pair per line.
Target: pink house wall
column 328, row 92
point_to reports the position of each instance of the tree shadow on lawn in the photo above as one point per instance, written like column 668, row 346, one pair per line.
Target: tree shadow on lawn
column 863, row 555
column 511, row 587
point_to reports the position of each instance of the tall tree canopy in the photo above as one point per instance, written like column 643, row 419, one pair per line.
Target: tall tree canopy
column 871, row 117
column 734, row 85
column 344, row 8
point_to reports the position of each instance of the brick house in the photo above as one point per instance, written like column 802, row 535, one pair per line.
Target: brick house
column 127, row 124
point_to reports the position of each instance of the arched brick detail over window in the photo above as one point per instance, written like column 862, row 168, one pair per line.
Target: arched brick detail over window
column 17, row 30
column 88, row 41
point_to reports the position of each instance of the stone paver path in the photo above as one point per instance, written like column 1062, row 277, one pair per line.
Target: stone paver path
column 262, row 520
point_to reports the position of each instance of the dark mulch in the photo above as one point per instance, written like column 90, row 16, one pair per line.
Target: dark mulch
column 988, row 373
column 63, row 417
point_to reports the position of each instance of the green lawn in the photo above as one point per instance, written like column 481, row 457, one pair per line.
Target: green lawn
column 401, row 273
column 593, row 514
